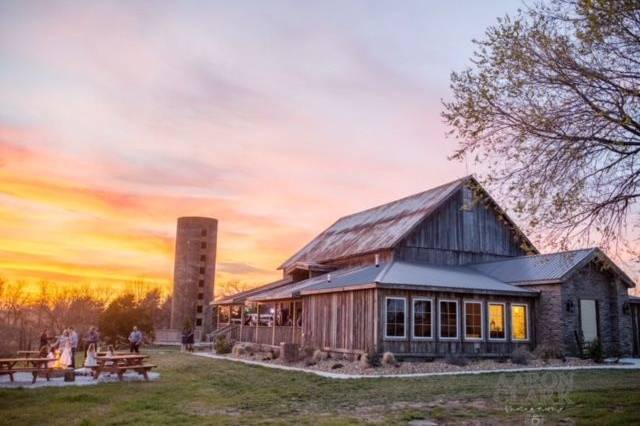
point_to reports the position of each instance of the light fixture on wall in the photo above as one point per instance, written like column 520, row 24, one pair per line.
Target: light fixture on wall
column 570, row 306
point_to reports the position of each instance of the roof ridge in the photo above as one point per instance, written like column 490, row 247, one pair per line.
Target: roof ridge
column 406, row 197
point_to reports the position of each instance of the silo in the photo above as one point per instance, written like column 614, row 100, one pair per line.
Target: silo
column 194, row 274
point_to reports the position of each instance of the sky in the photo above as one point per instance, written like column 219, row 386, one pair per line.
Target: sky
column 274, row 117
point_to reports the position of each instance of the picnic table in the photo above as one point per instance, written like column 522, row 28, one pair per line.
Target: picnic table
column 31, row 365
column 119, row 364
column 28, row 353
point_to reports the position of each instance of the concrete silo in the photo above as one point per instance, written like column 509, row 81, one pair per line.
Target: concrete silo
column 194, row 274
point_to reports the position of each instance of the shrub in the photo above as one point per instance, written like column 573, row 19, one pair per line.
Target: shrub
column 275, row 353
column 370, row 359
column 319, row 355
column 547, row 352
column 521, row 356
column 222, row 345
column 289, row 352
column 457, row 360
column 594, row 351
column 388, row 358
column 307, row 352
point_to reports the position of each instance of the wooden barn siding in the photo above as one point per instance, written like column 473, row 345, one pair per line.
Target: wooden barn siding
column 339, row 321
column 436, row 347
column 454, row 235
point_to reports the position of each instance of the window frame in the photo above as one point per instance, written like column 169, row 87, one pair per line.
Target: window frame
column 504, row 322
column 413, row 317
column 464, row 319
column 527, row 321
column 457, row 337
column 404, row 301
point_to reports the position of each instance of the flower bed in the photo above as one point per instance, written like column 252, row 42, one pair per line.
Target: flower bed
column 343, row 366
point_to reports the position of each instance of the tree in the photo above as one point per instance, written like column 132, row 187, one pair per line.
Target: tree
column 124, row 312
column 551, row 105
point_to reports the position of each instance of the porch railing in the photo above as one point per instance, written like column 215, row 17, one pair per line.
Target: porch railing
column 263, row 335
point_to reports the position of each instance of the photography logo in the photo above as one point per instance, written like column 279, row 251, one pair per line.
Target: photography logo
column 534, row 394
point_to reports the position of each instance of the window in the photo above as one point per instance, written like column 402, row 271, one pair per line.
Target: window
column 203, row 245
column 473, row 320
column 396, row 308
column 200, row 296
column 223, row 315
column 199, row 309
column 496, row 321
column 201, row 283
column 422, row 318
column 236, row 313
column 199, row 322
column 203, row 257
column 202, row 270
column 448, row 319
column 519, row 322
column 203, row 233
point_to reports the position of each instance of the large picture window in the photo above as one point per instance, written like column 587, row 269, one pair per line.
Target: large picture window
column 396, row 308
column 422, row 318
column 497, row 321
column 448, row 319
column 519, row 322
column 473, row 320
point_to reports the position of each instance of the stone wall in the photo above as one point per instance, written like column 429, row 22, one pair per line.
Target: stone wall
column 556, row 326
column 549, row 315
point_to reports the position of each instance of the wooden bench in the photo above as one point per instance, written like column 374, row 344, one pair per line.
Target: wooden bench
column 119, row 364
column 35, row 366
column 119, row 370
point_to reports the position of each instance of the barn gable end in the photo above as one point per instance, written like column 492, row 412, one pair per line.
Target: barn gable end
column 467, row 228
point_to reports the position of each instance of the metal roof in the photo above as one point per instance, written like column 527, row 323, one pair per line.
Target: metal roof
column 396, row 274
column 536, row 268
column 243, row 295
column 376, row 228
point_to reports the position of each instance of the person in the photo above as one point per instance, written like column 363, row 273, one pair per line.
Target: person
column 64, row 345
column 190, row 340
column 44, row 338
column 185, row 333
column 110, row 350
column 51, row 355
column 74, row 346
column 93, row 338
column 135, row 339
column 90, row 359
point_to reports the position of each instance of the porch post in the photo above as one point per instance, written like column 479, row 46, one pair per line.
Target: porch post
column 293, row 324
column 241, row 321
column 273, row 324
column 257, row 320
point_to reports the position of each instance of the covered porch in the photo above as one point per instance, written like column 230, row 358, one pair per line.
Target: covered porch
column 265, row 323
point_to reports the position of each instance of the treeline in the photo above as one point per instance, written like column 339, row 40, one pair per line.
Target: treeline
column 24, row 315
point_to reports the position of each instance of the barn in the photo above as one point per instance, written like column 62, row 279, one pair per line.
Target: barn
column 440, row 272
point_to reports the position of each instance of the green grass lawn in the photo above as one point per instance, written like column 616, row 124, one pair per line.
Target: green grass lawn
column 195, row 390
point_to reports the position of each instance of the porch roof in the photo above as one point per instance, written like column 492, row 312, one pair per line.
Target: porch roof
column 240, row 298
column 396, row 275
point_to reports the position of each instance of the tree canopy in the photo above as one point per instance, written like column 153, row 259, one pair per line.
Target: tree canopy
column 551, row 106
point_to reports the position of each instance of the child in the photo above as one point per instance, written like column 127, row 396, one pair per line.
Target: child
column 90, row 360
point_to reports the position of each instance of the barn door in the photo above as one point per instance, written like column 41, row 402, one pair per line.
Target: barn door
column 589, row 320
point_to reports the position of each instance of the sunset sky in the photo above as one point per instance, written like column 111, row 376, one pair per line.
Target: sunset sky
column 274, row 117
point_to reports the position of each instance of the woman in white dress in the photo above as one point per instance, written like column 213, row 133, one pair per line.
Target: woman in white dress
column 65, row 349
column 90, row 360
